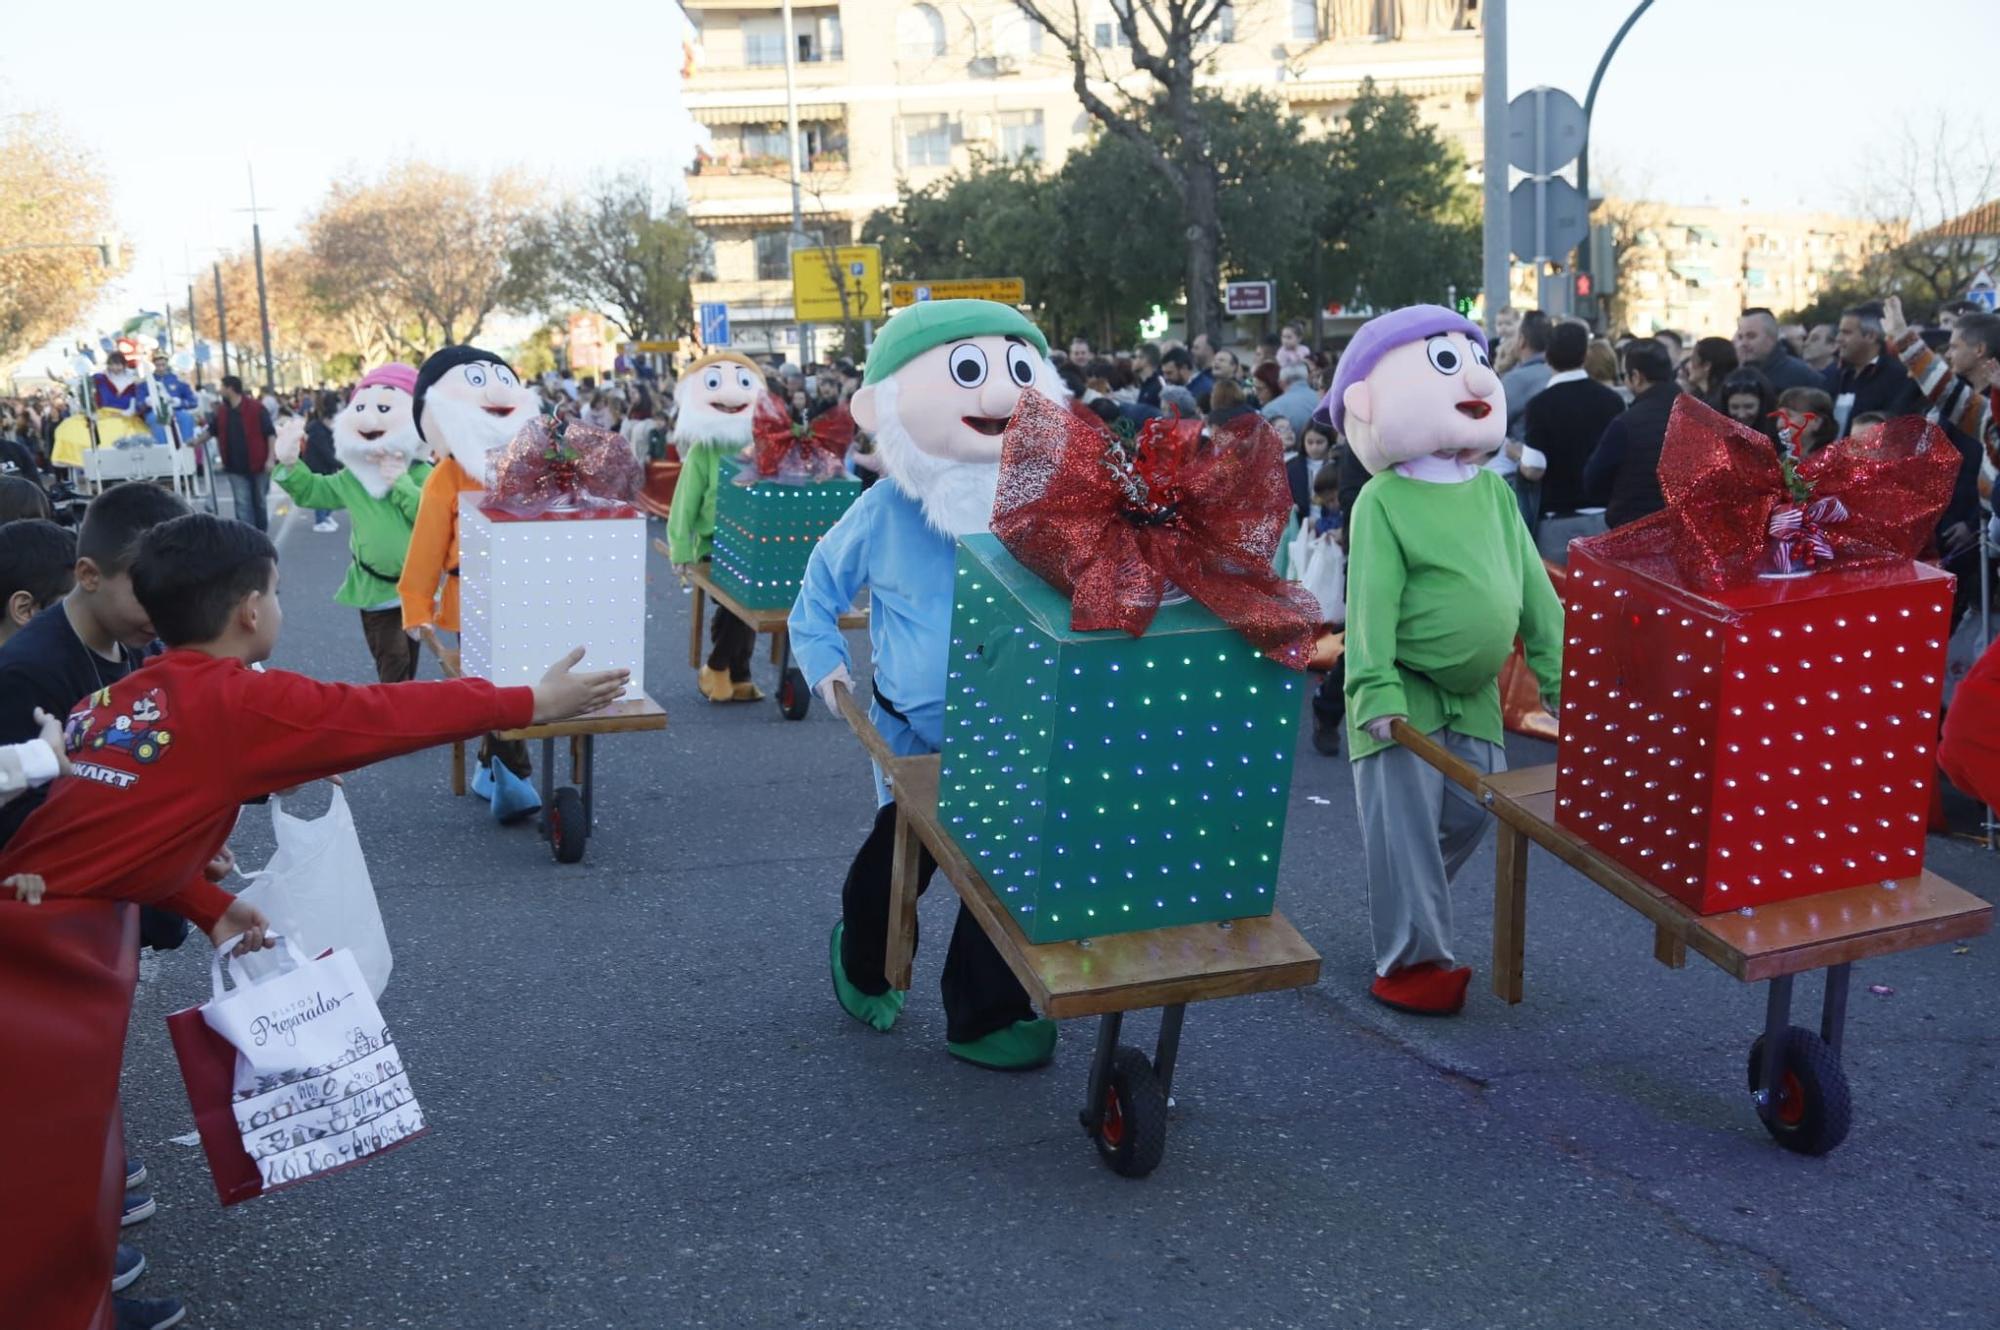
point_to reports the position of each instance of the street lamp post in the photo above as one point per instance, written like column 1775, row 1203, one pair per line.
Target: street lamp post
column 221, row 320
column 263, row 301
column 1496, row 241
column 1589, row 106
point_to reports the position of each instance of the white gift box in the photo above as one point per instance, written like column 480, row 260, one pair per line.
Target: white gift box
column 530, row 588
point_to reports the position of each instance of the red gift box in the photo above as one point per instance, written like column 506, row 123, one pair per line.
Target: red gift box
column 1750, row 745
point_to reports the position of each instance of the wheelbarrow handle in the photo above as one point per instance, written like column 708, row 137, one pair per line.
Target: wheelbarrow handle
column 1456, row 770
column 864, row 729
column 448, row 660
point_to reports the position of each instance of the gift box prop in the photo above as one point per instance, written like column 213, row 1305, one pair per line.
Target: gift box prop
column 1752, row 677
column 771, row 510
column 1123, row 690
column 291, row 1074
column 553, row 556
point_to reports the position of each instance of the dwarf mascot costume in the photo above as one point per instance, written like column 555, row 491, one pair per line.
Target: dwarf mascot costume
column 380, row 484
column 716, row 403
column 467, row 405
column 943, row 378
column 1442, row 577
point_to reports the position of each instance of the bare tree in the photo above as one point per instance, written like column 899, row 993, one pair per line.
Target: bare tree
column 1921, row 198
column 611, row 249
column 1160, row 38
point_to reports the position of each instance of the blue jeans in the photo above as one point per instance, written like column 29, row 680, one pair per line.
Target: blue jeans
column 248, row 494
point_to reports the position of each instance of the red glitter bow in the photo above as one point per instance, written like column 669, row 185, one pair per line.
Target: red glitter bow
column 562, row 466
column 792, row 453
column 1117, row 531
column 1792, row 426
column 1734, row 512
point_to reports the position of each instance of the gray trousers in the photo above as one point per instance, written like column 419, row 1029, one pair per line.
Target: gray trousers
column 1417, row 831
column 1554, row 534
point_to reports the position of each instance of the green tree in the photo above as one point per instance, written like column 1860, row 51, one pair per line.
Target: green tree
column 612, row 250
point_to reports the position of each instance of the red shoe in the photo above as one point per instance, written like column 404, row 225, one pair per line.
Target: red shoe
column 1423, row 990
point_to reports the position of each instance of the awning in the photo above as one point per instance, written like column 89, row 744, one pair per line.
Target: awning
column 767, row 114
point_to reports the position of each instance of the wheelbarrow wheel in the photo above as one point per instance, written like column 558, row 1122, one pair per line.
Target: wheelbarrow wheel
column 1132, row 1126
column 1809, row 1111
column 567, row 828
column 794, row 698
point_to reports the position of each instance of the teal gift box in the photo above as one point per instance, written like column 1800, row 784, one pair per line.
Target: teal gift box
column 1104, row 783
column 765, row 533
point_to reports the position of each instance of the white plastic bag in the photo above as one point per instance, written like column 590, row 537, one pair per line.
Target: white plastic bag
column 1325, row 576
column 316, row 889
column 1298, row 555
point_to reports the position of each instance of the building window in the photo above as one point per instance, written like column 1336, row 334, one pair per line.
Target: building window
column 763, row 42
column 1015, row 34
column 1106, row 31
column 927, row 140
column 774, row 253
column 1223, row 29
column 1305, row 20
column 1021, row 135
column 920, row 33
column 819, row 38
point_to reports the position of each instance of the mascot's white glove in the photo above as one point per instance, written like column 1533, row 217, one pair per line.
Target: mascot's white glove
column 1378, row 729
column 392, row 465
column 291, row 437
column 825, row 689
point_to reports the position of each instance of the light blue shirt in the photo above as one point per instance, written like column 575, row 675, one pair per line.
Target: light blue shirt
column 883, row 544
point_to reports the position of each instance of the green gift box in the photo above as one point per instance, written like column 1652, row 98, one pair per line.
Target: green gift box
column 1104, row 783
column 765, row 533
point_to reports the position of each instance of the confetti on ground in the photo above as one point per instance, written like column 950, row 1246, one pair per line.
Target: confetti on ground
column 1881, row 990
column 1961, row 951
column 192, row 1138
column 1314, row 798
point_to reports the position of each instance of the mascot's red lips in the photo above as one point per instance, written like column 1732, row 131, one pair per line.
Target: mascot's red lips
column 1475, row 408
column 991, row 426
column 498, row 410
column 730, row 409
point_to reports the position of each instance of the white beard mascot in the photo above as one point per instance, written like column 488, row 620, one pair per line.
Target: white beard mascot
column 717, row 401
column 943, row 379
column 468, row 404
column 380, row 484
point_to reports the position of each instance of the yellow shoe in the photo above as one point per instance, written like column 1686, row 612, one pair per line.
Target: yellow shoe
column 746, row 692
column 715, row 685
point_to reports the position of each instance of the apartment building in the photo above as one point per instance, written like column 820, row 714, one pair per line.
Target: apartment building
column 904, row 90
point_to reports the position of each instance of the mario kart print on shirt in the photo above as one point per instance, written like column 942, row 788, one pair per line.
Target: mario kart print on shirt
column 141, row 732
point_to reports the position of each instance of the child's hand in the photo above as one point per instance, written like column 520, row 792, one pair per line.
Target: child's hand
column 562, row 694
column 245, row 919
column 1379, row 728
column 27, row 887
column 221, row 866
column 291, row 437
column 52, row 735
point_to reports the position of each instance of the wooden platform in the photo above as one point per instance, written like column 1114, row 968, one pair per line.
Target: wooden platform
column 773, row 622
column 1788, row 937
column 1122, row 972
column 627, row 717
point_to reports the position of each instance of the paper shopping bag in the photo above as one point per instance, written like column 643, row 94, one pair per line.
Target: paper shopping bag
column 311, row 1081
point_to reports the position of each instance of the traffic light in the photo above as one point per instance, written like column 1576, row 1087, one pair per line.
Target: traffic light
column 1465, row 306
column 1586, row 286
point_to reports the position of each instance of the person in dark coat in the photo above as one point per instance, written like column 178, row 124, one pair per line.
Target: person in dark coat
column 318, row 454
column 1866, row 376
column 1563, row 423
column 1315, row 451
column 1624, row 470
column 1225, row 403
column 1759, row 347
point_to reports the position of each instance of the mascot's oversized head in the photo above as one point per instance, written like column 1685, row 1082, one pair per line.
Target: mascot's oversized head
column 716, row 400
column 1414, row 382
column 376, row 424
column 943, row 380
column 468, row 403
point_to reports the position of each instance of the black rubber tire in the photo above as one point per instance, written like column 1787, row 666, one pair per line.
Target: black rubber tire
column 567, row 828
column 1131, row 1134
column 794, row 698
column 1813, row 1110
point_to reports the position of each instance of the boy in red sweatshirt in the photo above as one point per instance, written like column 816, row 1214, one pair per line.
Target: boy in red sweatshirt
column 162, row 760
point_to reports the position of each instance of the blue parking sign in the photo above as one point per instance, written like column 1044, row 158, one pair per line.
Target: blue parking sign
column 715, row 325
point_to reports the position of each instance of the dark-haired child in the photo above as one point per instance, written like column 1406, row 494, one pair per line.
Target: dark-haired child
column 22, row 498
column 37, row 568
column 162, row 761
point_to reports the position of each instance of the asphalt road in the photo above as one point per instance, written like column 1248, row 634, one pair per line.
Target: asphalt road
column 647, row 1110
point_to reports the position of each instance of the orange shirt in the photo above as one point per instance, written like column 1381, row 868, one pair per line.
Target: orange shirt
column 433, row 558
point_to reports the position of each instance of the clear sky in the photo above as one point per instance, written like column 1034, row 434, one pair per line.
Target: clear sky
column 1777, row 103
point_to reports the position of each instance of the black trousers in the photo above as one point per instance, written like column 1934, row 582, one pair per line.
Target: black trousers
column 981, row 994
column 731, row 643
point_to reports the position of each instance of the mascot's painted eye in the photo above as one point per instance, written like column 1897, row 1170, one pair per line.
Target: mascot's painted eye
column 475, row 375
column 746, row 380
column 1445, row 358
column 712, row 380
column 361, row 406
column 968, row 366
column 1020, row 365
column 505, row 375
column 383, row 407
column 1481, row 356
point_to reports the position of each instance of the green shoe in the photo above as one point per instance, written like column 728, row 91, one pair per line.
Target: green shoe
column 1022, row 1046
column 878, row 1010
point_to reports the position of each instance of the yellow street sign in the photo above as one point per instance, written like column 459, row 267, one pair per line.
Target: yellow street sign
column 1006, row 290
column 664, row 348
column 819, row 275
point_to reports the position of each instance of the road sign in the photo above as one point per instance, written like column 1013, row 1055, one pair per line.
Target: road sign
column 657, row 348
column 819, row 275
column 1558, row 140
column 1006, row 290
column 1564, row 220
column 715, row 324
column 1981, row 292
column 1249, row 298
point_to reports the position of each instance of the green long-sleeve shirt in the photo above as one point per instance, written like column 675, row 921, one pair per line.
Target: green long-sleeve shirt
column 691, row 519
column 381, row 527
column 1441, row 578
